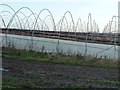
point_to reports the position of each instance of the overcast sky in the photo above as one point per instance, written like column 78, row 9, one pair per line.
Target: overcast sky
column 101, row 10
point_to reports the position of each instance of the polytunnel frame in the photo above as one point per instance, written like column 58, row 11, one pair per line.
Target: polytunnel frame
column 96, row 30
column 59, row 22
column 115, row 33
column 77, row 24
column 27, row 18
column 15, row 14
column 9, row 13
column 23, row 18
column 86, row 41
column 9, row 22
column 64, row 18
column 26, row 23
column 12, row 16
column 3, row 21
column 37, row 20
column 47, row 20
column 62, row 22
column 84, row 26
column 57, row 48
column 40, row 14
column 41, row 21
column 108, row 28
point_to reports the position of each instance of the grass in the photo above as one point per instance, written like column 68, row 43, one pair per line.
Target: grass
column 21, row 54
column 17, row 82
column 20, row 82
column 91, row 83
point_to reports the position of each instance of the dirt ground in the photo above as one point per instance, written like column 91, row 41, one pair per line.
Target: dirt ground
column 51, row 75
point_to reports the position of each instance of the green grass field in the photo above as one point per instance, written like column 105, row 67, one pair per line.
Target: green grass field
column 11, row 52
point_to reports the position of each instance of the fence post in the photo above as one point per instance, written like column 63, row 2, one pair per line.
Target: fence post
column 32, row 40
column 57, row 47
column 86, row 43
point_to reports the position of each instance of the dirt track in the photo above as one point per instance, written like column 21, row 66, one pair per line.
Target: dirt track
column 58, row 75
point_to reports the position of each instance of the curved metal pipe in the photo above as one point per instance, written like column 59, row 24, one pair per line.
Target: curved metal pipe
column 79, row 20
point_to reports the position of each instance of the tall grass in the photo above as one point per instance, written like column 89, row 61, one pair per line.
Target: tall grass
column 62, row 58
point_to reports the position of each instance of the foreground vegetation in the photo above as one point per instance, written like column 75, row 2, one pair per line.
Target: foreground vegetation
column 21, row 79
column 78, row 59
column 12, row 82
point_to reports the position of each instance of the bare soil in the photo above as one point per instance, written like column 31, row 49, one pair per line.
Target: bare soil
column 50, row 75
